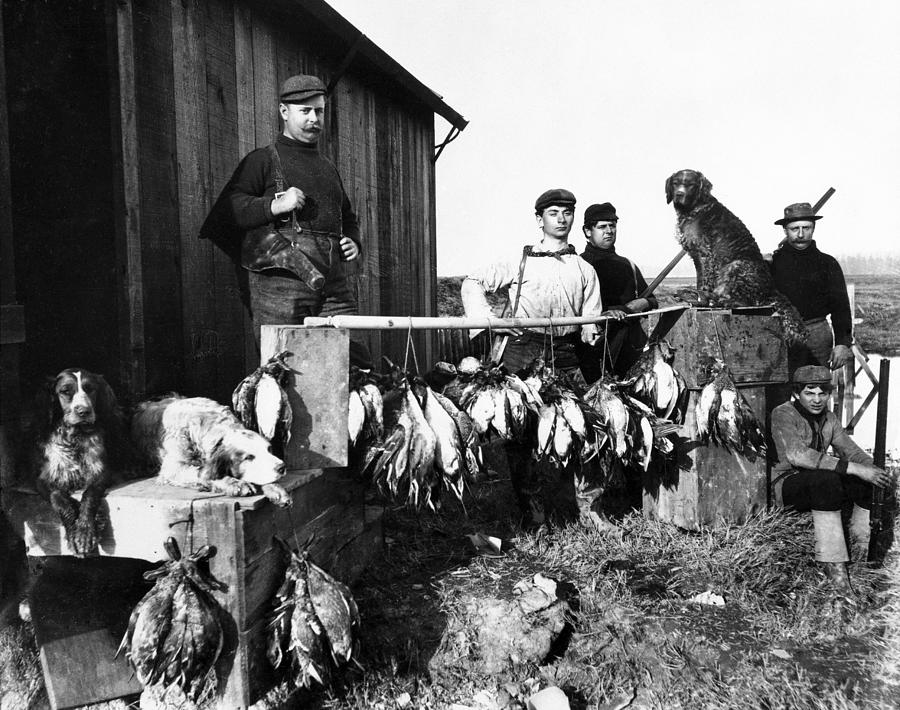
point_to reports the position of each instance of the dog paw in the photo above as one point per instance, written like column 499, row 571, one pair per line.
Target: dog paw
column 83, row 538
column 277, row 495
column 235, row 487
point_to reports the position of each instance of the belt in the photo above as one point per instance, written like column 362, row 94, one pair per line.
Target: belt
column 813, row 321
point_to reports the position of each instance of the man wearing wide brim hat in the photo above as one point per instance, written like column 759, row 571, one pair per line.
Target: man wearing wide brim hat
column 296, row 231
column 814, row 282
column 806, row 477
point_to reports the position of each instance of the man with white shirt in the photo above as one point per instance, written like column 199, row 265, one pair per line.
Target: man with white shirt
column 547, row 279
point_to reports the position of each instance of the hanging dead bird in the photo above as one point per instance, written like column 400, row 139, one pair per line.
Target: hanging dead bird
column 261, row 401
column 604, row 398
column 174, row 634
column 655, row 381
column 314, row 624
column 365, row 416
column 725, row 418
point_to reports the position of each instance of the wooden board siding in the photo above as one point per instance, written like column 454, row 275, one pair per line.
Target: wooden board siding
column 192, row 85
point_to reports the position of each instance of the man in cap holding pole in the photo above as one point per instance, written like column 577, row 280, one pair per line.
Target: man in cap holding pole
column 296, row 227
column 621, row 283
column 548, row 279
column 806, row 477
column 814, row 282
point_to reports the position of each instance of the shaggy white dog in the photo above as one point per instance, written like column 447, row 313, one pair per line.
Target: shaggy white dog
column 198, row 443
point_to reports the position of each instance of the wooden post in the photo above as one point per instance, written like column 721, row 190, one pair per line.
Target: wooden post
column 882, row 509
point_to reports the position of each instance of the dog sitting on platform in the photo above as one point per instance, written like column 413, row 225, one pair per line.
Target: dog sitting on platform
column 731, row 271
column 80, row 444
column 196, row 442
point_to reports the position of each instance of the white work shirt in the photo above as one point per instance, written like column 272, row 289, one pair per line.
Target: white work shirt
column 551, row 287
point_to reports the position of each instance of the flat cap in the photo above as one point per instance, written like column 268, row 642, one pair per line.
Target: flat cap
column 300, row 86
column 812, row 375
column 556, row 196
column 798, row 212
column 604, row 212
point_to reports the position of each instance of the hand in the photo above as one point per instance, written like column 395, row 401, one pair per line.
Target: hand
column 287, row 201
column 840, row 355
column 870, row 473
column 614, row 313
column 638, row 305
column 349, row 248
column 590, row 333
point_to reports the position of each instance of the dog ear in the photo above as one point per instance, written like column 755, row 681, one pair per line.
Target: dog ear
column 47, row 411
column 219, row 462
column 705, row 185
column 670, row 193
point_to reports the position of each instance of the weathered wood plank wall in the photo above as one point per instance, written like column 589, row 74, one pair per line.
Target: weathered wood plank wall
column 212, row 98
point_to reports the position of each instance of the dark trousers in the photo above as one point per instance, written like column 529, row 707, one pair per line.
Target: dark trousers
column 537, row 484
column 815, row 489
column 278, row 297
column 620, row 346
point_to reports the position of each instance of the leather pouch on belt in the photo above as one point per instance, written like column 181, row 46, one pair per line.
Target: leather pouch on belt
column 267, row 248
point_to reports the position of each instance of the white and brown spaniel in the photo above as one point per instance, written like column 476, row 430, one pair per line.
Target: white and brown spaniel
column 80, row 443
column 196, row 442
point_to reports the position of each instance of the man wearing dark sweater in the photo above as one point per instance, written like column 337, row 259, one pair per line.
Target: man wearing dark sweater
column 296, row 229
column 620, row 284
column 814, row 282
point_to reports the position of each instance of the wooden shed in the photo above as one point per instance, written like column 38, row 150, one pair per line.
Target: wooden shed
column 126, row 118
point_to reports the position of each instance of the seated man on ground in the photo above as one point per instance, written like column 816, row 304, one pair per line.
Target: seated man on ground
column 807, row 478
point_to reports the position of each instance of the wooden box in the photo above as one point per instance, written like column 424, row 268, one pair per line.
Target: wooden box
column 327, row 507
column 711, row 485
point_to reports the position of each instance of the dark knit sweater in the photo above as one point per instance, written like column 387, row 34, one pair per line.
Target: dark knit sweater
column 248, row 195
column 619, row 283
column 814, row 282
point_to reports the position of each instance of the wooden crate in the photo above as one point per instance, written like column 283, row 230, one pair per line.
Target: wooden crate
column 327, row 507
column 711, row 485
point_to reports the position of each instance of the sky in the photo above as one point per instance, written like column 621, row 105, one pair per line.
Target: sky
column 774, row 101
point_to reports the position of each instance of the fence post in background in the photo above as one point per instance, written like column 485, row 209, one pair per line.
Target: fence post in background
column 883, row 504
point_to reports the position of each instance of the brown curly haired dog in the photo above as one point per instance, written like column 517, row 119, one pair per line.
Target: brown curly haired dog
column 731, row 271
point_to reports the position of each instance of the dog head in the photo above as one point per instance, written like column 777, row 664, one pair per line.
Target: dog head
column 244, row 454
column 78, row 398
column 687, row 188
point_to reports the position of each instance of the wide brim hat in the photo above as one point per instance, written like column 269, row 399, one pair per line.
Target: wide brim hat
column 798, row 212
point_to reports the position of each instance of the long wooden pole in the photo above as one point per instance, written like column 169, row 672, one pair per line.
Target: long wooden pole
column 460, row 323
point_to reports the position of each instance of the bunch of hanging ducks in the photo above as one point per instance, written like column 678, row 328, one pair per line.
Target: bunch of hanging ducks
column 496, row 401
column 654, row 381
column 314, row 625
column 260, row 401
column 425, row 444
column 725, row 418
column 174, row 635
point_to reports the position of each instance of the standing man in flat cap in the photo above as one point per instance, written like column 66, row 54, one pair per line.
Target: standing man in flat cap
column 621, row 282
column 806, row 477
column 295, row 227
column 814, row 282
column 547, row 279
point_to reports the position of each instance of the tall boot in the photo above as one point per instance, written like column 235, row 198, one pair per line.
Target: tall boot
column 860, row 530
column 831, row 548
